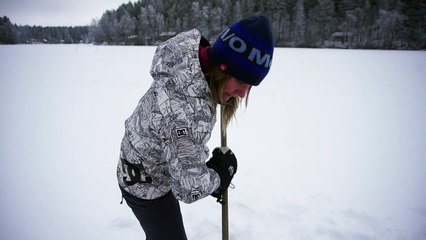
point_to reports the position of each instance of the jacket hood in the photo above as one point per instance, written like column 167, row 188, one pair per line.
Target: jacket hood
column 178, row 60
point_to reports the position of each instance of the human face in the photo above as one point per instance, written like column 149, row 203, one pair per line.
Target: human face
column 234, row 88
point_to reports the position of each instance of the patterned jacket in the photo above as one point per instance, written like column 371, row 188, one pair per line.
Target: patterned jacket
column 164, row 145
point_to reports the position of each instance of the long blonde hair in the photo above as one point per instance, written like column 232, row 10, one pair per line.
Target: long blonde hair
column 217, row 79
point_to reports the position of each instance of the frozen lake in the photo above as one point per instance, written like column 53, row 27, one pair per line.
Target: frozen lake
column 332, row 146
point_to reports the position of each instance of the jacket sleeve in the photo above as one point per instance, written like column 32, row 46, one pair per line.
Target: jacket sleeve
column 188, row 125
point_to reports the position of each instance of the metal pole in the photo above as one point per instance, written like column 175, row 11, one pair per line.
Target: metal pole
column 225, row 222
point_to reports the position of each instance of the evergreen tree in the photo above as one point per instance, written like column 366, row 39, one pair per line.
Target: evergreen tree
column 414, row 23
column 321, row 23
column 127, row 28
column 300, row 23
column 390, row 26
column 143, row 27
column 217, row 23
column 7, row 31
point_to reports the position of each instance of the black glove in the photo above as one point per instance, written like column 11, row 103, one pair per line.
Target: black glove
column 225, row 164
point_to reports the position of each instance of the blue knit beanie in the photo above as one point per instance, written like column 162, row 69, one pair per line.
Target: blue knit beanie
column 245, row 49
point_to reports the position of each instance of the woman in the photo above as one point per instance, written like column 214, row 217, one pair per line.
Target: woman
column 163, row 152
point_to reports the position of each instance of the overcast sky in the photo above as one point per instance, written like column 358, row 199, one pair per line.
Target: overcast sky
column 56, row 12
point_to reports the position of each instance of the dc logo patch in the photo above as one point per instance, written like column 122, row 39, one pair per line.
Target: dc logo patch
column 182, row 132
column 196, row 196
column 231, row 171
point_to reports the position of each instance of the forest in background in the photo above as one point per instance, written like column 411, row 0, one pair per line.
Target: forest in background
column 358, row 24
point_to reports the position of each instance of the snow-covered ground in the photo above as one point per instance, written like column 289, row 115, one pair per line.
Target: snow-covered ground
column 331, row 146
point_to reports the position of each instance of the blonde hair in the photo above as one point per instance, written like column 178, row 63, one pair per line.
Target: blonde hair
column 217, row 79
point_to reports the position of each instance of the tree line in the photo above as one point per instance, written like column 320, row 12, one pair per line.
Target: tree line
column 376, row 24
column 13, row 34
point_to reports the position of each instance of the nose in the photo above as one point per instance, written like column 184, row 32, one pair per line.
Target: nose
column 242, row 90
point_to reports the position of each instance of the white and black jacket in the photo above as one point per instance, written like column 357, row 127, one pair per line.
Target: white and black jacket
column 164, row 146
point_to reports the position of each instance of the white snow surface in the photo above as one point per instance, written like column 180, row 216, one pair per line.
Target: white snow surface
column 331, row 146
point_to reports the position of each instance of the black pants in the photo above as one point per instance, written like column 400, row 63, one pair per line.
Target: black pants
column 160, row 218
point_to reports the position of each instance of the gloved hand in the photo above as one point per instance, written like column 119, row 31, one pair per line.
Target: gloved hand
column 224, row 163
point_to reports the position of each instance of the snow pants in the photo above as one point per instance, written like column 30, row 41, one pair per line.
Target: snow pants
column 161, row 218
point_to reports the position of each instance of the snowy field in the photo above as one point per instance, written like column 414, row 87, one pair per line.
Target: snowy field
column 331, row 146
